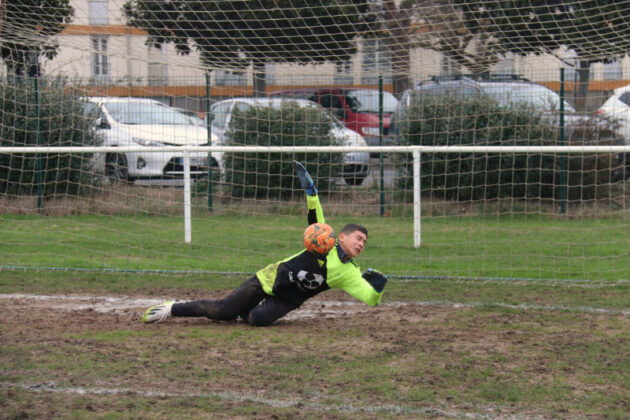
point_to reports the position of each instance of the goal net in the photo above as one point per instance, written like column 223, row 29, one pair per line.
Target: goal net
column 158, row 136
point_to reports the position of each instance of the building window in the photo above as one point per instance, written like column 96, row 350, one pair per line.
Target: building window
column 449, row 66
column 613, row 71
column 98, row 14
column 158, row 75
column 375, row 62
column 343, row 72
column 569, row 59
column 100, row 60
column 572, row 74
column 270, row 73
column 506, row 65
column 228, row 78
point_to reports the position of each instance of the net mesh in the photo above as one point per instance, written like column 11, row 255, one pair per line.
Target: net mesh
column 315, row 73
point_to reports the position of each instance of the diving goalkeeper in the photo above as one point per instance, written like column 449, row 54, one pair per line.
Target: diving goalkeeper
column 283, row 286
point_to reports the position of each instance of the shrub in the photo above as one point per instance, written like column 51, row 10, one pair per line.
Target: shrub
column 61, row 123
column 453, row 120
column 270, row 175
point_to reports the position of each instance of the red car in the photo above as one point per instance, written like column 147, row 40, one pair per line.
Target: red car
column 358, row 109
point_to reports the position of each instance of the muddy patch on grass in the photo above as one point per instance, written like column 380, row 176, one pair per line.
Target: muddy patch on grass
column 127, row 304
column 333, row 355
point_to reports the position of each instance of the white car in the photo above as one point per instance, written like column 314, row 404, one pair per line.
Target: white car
column 138, row 121
column 355, row 164
column 192, row 116
column 617, row 108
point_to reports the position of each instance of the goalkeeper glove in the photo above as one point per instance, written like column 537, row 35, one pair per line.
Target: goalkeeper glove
column 305, row 178
column 376, row 279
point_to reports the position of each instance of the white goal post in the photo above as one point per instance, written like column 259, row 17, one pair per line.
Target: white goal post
column 415, row 151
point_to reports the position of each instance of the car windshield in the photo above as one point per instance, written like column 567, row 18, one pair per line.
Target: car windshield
column 139, row 112
column 366, row 100
column 536, row 95
column 192, row 117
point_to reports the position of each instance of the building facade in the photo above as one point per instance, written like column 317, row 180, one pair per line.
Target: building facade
column 100, row 48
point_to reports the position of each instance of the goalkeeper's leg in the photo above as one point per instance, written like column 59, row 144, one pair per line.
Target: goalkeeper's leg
column 240, row 302
column 269, row 310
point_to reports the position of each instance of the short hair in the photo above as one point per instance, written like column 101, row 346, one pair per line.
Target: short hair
column 352, row 227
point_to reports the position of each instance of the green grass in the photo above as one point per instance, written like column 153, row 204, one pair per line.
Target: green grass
column 514, row 317
column 514, row 246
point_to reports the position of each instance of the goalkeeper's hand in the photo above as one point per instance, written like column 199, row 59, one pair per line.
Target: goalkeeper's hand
column 305, row 178
column 376, row 279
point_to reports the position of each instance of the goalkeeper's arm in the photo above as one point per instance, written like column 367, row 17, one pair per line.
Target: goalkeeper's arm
column 315, row 211
column 367, row 287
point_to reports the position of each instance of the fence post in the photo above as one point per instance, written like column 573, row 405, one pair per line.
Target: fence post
column 38, row 157
column 563, row 156
column 380, row 143
column 209, row 134
column 417, row 209
column 187, row 229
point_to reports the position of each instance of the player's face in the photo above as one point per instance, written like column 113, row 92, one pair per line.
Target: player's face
column 353, row 243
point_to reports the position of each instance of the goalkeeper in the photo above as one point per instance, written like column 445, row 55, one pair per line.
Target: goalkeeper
column 282, row 287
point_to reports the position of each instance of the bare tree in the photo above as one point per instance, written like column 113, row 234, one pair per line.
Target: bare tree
column 436, row 25
column 596, row 30
column 395, row 23
column 439, row 26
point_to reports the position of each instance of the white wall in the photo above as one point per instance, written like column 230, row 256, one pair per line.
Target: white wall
column 129, row 58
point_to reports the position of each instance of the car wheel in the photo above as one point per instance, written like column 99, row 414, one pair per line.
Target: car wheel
column 116, row 169
column 354, row 180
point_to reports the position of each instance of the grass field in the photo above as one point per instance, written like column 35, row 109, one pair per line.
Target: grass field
column 506, row 246
column 545, row 336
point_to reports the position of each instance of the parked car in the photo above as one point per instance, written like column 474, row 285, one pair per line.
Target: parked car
column 358, row 109
column 355, row 164
column 507, row 90
column 138, row 121
column 192, row 116
column 617, row 107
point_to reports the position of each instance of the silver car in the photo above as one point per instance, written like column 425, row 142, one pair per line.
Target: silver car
column 507, row 90
column 355, row 164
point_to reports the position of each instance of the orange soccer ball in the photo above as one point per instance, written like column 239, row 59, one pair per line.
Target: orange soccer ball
column 319, row 238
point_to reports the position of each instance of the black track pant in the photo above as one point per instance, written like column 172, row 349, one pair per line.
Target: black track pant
column 249, row 301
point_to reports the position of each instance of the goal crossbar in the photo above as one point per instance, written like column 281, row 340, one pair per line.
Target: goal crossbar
column 321, row 149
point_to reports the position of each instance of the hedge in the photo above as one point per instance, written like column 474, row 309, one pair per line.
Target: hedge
column 61, row 123
column 270, row 175
column 452, row 120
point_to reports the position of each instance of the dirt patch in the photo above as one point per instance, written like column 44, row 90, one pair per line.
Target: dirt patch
column 332, row 358
column 127, row 304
